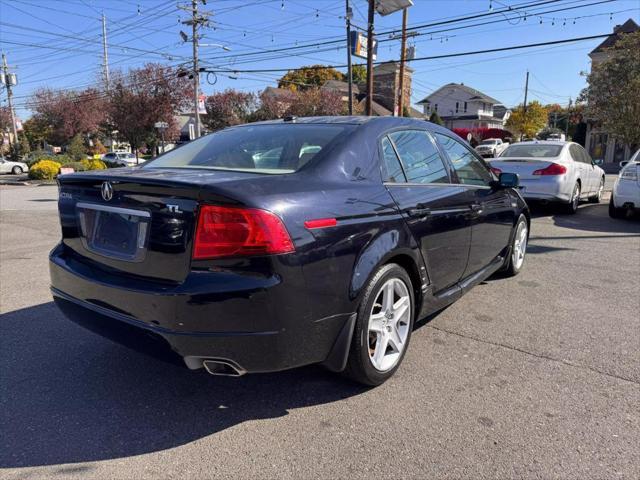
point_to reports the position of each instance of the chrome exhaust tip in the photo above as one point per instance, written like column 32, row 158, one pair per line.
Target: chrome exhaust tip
column 224, row 368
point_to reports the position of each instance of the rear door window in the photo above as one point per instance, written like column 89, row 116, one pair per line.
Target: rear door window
column 392, row 169
column 469, row 168
column 420, row 157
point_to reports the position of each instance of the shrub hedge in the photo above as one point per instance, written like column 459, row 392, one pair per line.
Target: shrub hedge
column 44, row 170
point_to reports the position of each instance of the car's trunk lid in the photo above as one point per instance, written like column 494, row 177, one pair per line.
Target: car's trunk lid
column 138, row 221
column 524, row 167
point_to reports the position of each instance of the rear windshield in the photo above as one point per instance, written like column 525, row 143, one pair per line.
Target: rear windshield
column 275, row 149
column 488, row 142
column 533, row 151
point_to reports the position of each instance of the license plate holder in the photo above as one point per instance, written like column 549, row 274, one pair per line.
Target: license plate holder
column 114, row 232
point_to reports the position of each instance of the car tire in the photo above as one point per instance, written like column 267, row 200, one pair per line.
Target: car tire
column 615, row 212
column 16, row 170
column 598, row 196
column 572, row 207
column 383, row 327
column 518, row 249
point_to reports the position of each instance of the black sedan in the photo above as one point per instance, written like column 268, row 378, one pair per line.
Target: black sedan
column 278, row 244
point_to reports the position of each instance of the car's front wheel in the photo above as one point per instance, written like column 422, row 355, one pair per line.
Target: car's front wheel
column 383, row 326
column 518, row 247
column 16, row 170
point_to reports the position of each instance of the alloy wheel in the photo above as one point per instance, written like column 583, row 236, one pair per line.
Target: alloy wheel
column 520, row 245
column 389, row 323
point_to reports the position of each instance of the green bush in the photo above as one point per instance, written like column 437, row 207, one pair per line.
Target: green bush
column 76, row 148
column 44, row 170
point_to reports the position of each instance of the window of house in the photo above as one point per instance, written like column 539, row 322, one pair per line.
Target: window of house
column 465, row 107
column 436, row 108
column 456, row 107
column 420, row 157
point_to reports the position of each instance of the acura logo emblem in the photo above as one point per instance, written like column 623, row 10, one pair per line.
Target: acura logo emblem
column 107, row 191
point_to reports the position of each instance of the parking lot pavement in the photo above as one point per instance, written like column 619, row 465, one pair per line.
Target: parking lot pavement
column 532, row 377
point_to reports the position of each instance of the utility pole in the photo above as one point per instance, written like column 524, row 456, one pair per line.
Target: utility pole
column 9, row 82
column 348, row 15
column 105, row 56
column 566, row 127
column 555, row 118
column 370, row 57
column 403, row 49
column 196, row 73
column 526, row 92
column 195, row 21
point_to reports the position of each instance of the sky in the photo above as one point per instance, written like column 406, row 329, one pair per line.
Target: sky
column 58, row 43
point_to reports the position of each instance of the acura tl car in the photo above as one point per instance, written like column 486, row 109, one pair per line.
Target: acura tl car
column 273, row 245
column 552, row 171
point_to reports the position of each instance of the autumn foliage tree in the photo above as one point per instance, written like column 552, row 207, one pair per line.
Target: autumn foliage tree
column 613, row 92
column 231, row 107
column 143, row 96
column 530, row 122
column 67, row 113
column 315, row 102
column 309, row 77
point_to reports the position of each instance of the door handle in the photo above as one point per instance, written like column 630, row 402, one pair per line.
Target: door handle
column 420, row 210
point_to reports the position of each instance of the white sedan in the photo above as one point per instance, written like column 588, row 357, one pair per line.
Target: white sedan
column 17, row 168
column 626, row 189
column 122, row 158
column 561, row 172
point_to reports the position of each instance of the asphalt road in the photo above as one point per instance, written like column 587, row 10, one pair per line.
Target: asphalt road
column 532, row 377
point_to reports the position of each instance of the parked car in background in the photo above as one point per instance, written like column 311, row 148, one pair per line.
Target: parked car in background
column 491, row 147
column 16, row 168
column 355, row 228
column 625, row 195
column 122, row 158
column 552, row 171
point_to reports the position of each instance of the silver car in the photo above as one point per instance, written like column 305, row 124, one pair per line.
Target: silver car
column 552, row 171
column 17, row 168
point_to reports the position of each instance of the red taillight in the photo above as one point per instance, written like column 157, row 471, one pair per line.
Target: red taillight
column 552, row 169
column 496, row 171
column 231, row 231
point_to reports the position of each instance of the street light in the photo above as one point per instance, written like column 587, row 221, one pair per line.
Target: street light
column 219, row 45
column 387, row 7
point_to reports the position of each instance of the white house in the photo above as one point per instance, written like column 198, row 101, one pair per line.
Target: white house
column 460, row 106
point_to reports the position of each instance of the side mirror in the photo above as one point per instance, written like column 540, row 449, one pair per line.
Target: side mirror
column 624, row 163
column 598, row 161
column 508, row 180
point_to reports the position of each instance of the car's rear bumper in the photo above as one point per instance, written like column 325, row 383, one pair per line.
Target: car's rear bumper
column 198, row 320
column 549, row 188
column 626, row 193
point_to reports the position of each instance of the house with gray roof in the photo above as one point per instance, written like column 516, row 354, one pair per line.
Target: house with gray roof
column 461, row 106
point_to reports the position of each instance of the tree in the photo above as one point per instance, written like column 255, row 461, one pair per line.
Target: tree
column 144, row 96
column 613, row 92
column 68, row 112
column 316, row 102
column 529, row 123
column 231, row 107
column 5, row 119
column 308, row 77
column 272, row 107
column 435, row 118
column 37, row 131
column 358, row 73
column 76, row 149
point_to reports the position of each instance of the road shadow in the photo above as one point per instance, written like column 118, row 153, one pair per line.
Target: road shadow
column 69, row 396
column 590, row 218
